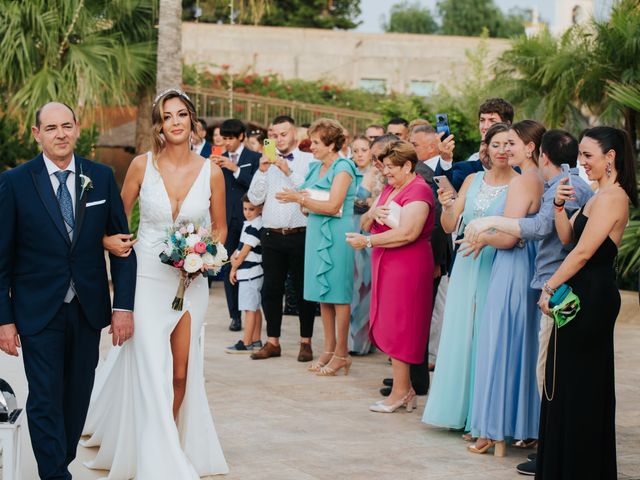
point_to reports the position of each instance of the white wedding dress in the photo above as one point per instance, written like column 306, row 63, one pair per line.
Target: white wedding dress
column 131, row 411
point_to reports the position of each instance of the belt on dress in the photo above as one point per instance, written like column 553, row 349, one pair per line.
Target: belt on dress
column 287, row 231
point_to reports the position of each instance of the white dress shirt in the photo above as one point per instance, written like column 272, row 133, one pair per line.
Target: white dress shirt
column 238, row 152
column 265, row 185
column 198, row 148
column 432, row 163
column 52, row 168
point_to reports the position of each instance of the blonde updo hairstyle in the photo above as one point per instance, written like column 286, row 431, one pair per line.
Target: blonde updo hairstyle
column 157, row 117
column 399, row 152
column 330, row 132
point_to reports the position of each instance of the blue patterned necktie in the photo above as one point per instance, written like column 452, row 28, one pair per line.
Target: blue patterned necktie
column 64, row 199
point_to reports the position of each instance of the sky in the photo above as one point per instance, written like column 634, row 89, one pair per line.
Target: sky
column 373, row 10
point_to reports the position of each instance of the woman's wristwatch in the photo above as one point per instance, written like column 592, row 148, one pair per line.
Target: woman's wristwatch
column 368, row 237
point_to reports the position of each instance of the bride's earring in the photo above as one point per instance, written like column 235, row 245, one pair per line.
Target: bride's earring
column 608, row 169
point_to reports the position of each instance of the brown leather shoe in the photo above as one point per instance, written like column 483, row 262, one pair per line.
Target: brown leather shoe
column 267, row 351
column 306, row 354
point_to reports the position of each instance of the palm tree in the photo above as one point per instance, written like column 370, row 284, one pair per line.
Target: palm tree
column 75, row 51
column 169, row 65
column 559, row 80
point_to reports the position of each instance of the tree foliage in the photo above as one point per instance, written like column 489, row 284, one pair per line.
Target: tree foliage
column 82, row 52
column 341, row 14
column 408, row 17
column 470, row 17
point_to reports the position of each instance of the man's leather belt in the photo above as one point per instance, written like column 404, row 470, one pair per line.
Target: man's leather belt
column 287, row 231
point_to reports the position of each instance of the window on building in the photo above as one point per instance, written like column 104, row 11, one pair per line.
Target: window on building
column 422, row 88
column 374, row 85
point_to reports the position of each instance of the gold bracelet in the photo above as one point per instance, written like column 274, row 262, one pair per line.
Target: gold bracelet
column 302, row 201
column 548, row 290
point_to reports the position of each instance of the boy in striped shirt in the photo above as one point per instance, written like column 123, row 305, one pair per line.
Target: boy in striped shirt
column 246, row 270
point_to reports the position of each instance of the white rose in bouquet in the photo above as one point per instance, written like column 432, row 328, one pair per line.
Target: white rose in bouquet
column 192, row 239
column 192, row 263
column 221, row 255
column 208, row 259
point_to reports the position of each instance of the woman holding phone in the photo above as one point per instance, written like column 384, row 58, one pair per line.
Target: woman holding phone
column 481, row 194
column 579, row 389
column 401, row 269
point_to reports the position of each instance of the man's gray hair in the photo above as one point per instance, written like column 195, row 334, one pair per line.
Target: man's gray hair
column 384, row 139
column 424, row 129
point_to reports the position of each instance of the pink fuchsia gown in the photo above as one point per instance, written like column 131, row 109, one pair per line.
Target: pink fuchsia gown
column 402, row 284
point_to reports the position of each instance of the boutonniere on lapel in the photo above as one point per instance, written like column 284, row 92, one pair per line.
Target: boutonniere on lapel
column 85, row 183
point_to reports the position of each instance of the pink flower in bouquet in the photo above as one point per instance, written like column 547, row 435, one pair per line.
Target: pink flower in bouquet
column 183, row 230
column 179, row 263
column 200, row 247
column 203, row 232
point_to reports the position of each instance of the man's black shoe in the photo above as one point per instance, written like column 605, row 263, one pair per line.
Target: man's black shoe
column 527, row 468
column 235, row 325
column 387, row 382
column 385, row 391
column 532, row 457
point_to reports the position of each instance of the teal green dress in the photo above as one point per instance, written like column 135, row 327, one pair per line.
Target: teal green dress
column 328, row 258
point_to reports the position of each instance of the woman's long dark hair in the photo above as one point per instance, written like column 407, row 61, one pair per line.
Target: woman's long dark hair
column 610, row 138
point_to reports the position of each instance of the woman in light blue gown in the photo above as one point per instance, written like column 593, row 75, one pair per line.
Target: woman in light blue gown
column 366, row 182
column 506, row 402
column 481, row 194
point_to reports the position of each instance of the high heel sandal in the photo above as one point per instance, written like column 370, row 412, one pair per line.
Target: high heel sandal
column 316, row 366
column 500, row 448
column 409, row 402
column 327, row 371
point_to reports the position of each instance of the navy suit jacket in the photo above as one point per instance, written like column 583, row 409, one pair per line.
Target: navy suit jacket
column 206, row 150
column 441, row 243
column 459, row 171
column 235, row 188
column 38, row 260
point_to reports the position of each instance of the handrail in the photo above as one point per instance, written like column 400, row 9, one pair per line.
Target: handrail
column 261, row 110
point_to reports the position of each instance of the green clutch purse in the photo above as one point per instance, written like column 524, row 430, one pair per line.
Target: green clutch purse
column 565, row 305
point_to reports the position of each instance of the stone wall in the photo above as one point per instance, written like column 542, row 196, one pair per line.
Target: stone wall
column 405, row 62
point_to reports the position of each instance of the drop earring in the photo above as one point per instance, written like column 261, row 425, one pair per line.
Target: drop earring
column 608, row 169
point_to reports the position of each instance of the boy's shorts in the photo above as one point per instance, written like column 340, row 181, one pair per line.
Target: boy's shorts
column 249, row 294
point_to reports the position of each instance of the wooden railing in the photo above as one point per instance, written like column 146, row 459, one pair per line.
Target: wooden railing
column 261, row 111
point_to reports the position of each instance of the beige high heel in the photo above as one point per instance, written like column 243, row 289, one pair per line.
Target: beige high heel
column 327, row 371
column 499, row 450
column 316, row 366
column 409, row 402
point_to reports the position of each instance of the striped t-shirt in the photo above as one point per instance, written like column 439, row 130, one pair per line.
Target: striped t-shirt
column 252, row 266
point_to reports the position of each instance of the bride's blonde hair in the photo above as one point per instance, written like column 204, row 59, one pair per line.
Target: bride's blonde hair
column 157, row 118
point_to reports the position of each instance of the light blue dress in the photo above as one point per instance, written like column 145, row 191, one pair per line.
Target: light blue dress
column 359, row 341
column 328, row 258
column 451, row 393
column 506, row 402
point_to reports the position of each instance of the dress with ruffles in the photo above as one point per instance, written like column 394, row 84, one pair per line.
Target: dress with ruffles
column 328, row 258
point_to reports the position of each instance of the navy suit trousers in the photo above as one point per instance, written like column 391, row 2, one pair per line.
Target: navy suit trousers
column 60, row 363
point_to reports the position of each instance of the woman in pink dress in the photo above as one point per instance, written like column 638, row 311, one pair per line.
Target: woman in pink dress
column 400, row 224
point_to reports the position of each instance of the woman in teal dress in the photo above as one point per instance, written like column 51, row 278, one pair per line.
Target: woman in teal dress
column 481, row 194
column 328, row 195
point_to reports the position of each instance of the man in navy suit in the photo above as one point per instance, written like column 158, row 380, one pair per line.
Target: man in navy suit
column 54, row 289
column 238, row 165
column 492, row 111
column 204, row 147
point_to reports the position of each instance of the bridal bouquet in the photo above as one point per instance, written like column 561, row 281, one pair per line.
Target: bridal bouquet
column 193, row 250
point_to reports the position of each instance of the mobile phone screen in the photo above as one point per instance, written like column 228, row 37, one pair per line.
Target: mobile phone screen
column 216, row 150
column 442, row 124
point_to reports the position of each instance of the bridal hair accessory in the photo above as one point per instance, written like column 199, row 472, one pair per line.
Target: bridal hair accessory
column 193, row 250
column 169, row 90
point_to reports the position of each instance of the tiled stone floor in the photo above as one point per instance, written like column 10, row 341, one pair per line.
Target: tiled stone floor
column 277, row 421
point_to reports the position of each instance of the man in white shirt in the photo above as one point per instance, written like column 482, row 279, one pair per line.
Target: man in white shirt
column 283, row 237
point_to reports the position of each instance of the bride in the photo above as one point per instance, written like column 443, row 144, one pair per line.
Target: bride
column 162, row 426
